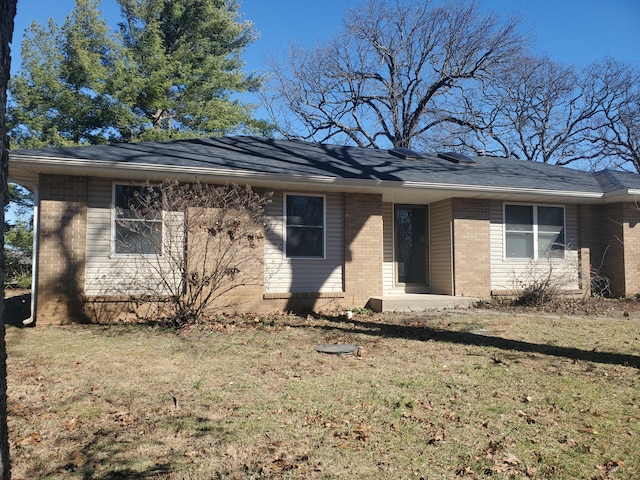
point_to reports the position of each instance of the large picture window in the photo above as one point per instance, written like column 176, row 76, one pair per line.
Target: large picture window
column 137, row 220
column 305, row 229
column 534, row 231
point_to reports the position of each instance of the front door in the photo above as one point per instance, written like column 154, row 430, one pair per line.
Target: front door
column 411, row 245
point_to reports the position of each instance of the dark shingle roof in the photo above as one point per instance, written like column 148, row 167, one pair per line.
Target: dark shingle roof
column 287, row 157
column 613, row 180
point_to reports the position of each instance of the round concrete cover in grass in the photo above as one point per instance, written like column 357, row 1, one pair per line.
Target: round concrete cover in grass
column 336, row 348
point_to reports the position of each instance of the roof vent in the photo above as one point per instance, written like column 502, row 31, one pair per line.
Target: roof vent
column 455, row 157
column 406, row 153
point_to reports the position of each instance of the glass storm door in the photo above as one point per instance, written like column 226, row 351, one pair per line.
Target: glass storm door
column 411, row 246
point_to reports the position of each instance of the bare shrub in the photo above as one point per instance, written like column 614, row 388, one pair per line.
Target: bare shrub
column 544, row 281
column 190, row 246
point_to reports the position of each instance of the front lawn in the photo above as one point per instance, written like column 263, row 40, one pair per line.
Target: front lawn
column 459, row 394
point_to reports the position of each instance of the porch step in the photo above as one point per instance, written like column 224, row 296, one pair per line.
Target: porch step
column 413, row 302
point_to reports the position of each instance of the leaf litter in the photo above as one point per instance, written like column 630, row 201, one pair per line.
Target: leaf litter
column 253, row 400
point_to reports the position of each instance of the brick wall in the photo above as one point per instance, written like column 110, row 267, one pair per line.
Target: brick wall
column 611, row 246
column 631, row 235
column 471, row 248
column 61, row 253
column 363, row 248
column 612, row 234
column 211, row 255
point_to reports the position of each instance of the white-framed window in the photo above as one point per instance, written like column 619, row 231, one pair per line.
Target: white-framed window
column 304, row 226
column 137, row 220
column 534, row 231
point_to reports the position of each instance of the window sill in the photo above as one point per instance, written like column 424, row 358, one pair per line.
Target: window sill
column 301, row 295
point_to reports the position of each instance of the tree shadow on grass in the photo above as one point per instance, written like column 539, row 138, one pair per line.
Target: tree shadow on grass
column 109, row 452
column 425, row 333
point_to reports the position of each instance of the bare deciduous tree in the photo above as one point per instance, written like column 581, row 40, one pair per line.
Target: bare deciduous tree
column 618, row 129
column 543, row 111
column 535, row 109
column 387, row 78
column 190, row 245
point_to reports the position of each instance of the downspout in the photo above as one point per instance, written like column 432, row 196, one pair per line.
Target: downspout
column 34, row 258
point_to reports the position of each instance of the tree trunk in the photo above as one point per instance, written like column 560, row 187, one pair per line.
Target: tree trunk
column 7, row 15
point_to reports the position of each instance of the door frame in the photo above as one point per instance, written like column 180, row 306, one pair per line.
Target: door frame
column 418, row 287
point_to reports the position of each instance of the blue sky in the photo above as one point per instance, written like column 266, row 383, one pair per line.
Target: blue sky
column 572, row 31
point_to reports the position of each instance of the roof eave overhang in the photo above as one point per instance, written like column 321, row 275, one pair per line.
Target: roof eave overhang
column 624, row 194
column 28, row 166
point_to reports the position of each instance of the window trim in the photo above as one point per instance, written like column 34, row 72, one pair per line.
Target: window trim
column 536, row 257
column 284, row 225
column 114, row 225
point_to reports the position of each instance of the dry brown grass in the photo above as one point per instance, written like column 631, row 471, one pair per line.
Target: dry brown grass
column 433, row 395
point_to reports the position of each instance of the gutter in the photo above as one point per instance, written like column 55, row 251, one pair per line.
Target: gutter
column 35, row 256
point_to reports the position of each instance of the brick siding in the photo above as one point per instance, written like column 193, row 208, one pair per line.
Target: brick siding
column 612, row 234
column 61, row 254
column 631, row 243
column 471, row 248
column 363, row 248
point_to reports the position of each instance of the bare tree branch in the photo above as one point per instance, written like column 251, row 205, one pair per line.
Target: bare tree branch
column 617, row 132
column 386, row 78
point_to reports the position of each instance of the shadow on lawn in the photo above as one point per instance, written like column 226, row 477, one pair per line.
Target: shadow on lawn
column 104, row 454
column 424, row 333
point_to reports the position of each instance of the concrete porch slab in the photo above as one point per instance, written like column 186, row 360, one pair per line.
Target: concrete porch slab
column 416, row 302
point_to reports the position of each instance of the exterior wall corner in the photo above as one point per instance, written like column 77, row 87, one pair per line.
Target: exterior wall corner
column 363, row 244
column 471, row 248
column 62, row 227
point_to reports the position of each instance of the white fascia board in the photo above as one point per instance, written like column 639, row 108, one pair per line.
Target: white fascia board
column 504, row 190
column 102, row 168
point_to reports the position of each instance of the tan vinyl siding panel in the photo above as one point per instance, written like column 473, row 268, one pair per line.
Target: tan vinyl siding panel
column 388, row 268
column 440, row 214
column 302, row 275
column 120, row 275
column 510, row 274
column 99, row 268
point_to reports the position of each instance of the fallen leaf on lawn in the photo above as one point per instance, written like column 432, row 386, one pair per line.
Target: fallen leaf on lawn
column 570, row 442
column 79, row 459
column 493, row 447
column 590, row 430
column 362, row 432
column 453, row 416
column 526, row 416
column 511, row 459
column 436, row 438
column 464, row 471
column 32, row 439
